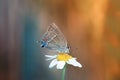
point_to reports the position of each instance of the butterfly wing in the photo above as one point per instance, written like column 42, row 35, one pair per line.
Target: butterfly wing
column 54, row 39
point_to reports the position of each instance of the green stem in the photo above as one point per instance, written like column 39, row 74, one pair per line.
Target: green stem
column 63, row 73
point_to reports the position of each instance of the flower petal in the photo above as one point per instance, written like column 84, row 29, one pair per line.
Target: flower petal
column 50, row 57
column 74, row 62
column 60, row 64
column 53, row 63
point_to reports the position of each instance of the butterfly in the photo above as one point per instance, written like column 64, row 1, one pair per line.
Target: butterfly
column 53, row 39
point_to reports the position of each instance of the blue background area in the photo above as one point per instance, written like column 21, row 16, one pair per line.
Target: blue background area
column 32, row 69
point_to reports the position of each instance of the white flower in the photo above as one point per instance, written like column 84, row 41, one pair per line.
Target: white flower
column 61, row 59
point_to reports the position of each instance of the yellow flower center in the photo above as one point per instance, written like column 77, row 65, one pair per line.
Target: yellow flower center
column 63, row 57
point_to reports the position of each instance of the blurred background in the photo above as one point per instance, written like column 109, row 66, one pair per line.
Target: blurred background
column 92, row 28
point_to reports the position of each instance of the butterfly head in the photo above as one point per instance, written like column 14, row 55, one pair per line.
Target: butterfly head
column 44, row 44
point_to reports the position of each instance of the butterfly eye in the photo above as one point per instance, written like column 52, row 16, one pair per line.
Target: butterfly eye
column 42, row 46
